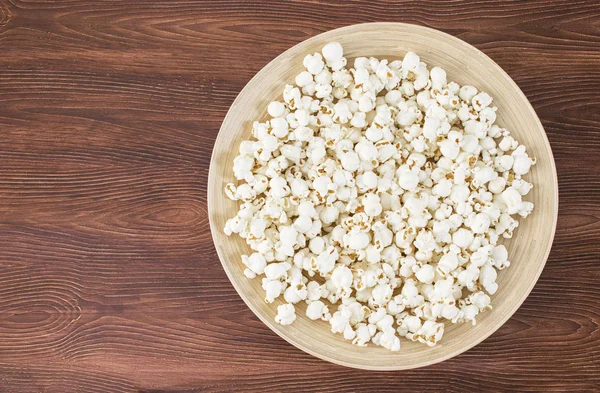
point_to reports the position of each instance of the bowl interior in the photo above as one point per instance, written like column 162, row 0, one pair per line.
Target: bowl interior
column 528, row 249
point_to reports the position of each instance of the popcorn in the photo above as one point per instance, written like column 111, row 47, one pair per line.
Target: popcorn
column 512, row 200
column 326, row 261
column 315, row 291
column 389, row 340
column 318, row 310
column 497, row 185
column 255, row 263
column 286, row 314
column 480, row 224
column 429, row 333
column 410, row 64
column 480, row 300
column 487, row 278
column 407, row 178
column 242, row 166
column 438, row 78
column 447, row 263
column 303, row 224
column 480, row 101
column 467, row 93
column 339, row 321
column 363, row 335
column 381, row 294
column 333, row 54
column 314, row 63
column 522, row 163
column 409, row 324
column 383, row 189
column 276, row 109
column 372, row 204
column 356, row 240
column 341, row 277
column 462, row 237
column 276, row 271
column 273, row 289
column 425, row 274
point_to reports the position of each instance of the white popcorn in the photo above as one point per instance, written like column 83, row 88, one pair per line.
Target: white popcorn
column 242, row 166
column 449, row 148
column 410, row 324
column 441, row 231
column 295, row 293
column 276, row 271
column 315, row 291
column 326, row 260
column 389, row 340
column 363, row 335
column 467, row 93
column 522, row 162
column 317, row 310
column 487, row 278
column 480, row 101
column 249, row 273
column 350, row 161
column 480, row 300
column 482, row 175
column 410, row 64
column 481, row 256
column 276, row 109
column 333, row 54
column 448, row 262
column 376, row 316
column 280, row 127
column 407, row 178
column 303, row 224
column 255, row 262
column 425, row 274
column 383, row 189
column 356, row 240
column 429, row 333
column 383, row 236
column 273, row 289
column 512, row 199
column 372, row 204
column 410, row 294
column 286, row 314
column 425, row 241
column 304, row 78
column 469, row 312
column 497, row 185
column 438, row 78
column 480, row 224
column 462, row 237
column 339, row 321
column 443, row 188
column 381, row 294
column 341, row 277
column 314, row 63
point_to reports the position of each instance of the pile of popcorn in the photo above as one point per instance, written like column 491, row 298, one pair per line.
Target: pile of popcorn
column 377, row 195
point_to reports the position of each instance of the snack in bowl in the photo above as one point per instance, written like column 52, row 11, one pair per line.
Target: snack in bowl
column 378, row 194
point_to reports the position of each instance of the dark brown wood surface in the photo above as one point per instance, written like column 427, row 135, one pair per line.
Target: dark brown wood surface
column 109, row 281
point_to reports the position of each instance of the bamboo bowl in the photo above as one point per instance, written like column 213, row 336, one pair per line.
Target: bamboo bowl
column 528, row 249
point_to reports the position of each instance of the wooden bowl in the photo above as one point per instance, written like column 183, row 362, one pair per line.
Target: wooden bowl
column 528, row 249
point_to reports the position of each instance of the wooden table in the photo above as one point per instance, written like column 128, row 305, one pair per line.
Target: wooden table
column 109, row 281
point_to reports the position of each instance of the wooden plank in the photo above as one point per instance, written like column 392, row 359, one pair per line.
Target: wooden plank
column 108, row 277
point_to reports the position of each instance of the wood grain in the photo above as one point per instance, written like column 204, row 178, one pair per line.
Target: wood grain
column 109, row 281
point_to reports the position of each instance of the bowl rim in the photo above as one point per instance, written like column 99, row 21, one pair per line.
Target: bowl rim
column 271, row 324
